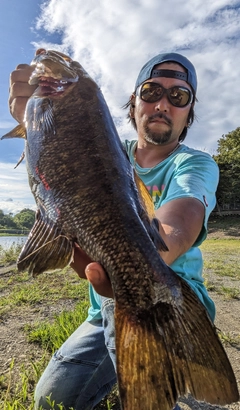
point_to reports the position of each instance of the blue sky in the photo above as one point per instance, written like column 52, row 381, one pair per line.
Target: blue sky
column 19, row 34
column 112, row 40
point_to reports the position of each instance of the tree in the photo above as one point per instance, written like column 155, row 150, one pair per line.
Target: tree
column 1, row 218
column 8, row 222
column 25, row 219
column 228, row 160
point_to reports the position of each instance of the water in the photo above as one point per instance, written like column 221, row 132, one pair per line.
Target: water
column 7, row 241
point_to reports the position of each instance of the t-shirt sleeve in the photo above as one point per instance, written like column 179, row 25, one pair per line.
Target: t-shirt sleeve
column 195, row 177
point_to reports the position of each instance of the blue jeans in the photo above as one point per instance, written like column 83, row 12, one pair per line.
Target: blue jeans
column 82, row 371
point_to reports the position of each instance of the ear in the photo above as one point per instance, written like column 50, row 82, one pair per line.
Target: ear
column 132, row 105
column 189, row 121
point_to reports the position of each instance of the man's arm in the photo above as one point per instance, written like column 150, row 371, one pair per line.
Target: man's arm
column 181, row 222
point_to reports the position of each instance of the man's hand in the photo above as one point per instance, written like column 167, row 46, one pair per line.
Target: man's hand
column 92, row 271
column 20, row 91
column 99, row 279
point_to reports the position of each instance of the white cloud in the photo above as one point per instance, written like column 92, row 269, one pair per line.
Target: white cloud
column 15, row 193
column 112, row 40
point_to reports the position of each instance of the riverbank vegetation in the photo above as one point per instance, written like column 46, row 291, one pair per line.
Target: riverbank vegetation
column 228, row 160
column 20, row 223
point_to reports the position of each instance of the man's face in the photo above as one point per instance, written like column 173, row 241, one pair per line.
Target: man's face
column 160, row 122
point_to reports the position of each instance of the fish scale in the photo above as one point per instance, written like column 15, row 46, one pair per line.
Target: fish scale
column 86, row 192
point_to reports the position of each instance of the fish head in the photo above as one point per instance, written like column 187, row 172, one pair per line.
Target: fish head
column 62, row 86
column 54, row 72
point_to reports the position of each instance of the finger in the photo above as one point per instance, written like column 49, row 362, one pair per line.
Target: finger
column 19, row 86
column 17, row 108
column 22, row 73
column 99, row 279
column 20, row 89
column 19, row 93
column 80, row 261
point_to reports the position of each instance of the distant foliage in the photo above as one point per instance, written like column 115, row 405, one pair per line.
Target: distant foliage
column 23, row 220
column 228, row 160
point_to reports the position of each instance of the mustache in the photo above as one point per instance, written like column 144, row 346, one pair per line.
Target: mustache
column 161, row 116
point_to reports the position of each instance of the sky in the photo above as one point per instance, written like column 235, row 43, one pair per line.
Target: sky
column 113, row 40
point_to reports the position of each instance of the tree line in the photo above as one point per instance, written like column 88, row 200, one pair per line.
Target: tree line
column 228, row 160
column 22, row 221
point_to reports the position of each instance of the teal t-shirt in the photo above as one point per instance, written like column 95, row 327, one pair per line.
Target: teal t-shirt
column 185, row 173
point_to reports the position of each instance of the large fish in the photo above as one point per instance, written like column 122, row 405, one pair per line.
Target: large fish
column 86, row 192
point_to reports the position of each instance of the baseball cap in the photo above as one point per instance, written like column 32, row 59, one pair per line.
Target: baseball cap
column 147, row 70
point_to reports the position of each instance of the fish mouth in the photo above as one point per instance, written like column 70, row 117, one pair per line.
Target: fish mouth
column 52, row 77
column 50, row 86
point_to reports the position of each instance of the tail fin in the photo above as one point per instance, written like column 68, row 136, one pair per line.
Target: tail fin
column 47, row 248
column 166, row 352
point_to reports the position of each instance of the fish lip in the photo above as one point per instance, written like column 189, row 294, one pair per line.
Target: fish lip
column 51, row 86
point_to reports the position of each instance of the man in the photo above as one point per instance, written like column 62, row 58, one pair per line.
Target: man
column 182, row 183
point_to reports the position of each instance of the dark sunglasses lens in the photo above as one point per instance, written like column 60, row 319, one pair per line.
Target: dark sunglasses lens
column 151, row 92
column 179, row 96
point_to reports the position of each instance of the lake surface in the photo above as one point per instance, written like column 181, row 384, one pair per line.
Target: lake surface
column 7, row 241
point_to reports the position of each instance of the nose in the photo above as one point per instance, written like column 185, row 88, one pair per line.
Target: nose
column 162, row 104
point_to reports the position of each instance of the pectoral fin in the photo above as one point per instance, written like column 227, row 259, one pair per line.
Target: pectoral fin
column 18, row 132
column 167, row 352
column 47, row 248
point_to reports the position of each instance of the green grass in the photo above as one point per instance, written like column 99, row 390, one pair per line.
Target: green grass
column 52, row 335
column 19, row 292
column 8, row 256
column 222, row 258
column 227, row 339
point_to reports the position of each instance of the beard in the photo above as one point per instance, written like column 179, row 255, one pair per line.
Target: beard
column 158, row 138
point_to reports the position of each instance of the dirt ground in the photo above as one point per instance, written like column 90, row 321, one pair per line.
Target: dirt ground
column 15, row 346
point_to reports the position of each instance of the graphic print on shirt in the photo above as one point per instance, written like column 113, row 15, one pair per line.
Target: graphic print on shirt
column 155, row 192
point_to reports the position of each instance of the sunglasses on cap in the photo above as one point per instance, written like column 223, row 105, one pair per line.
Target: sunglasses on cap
column 178, row 96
